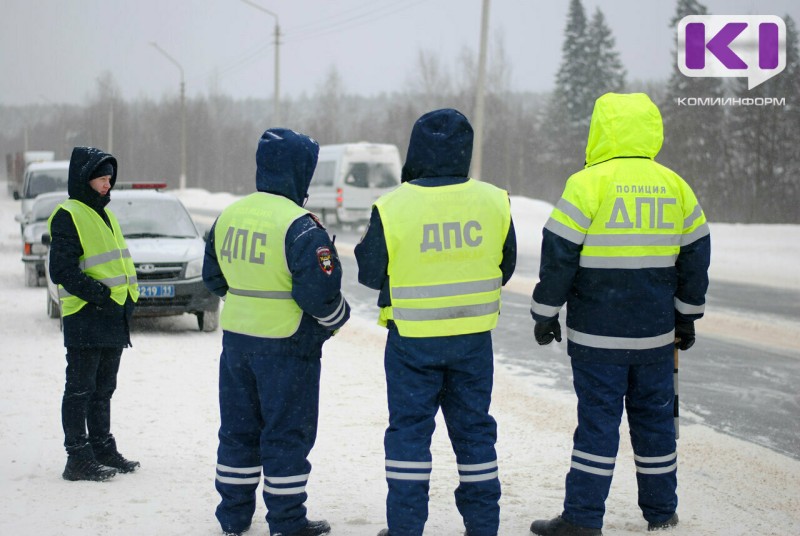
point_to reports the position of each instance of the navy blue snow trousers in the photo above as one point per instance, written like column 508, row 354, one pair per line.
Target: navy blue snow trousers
column 422, row 375
column 269, row 405
column 647, row 391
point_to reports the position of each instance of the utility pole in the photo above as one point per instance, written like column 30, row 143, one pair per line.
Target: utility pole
column 277, row 91
column 110, row 142
column 182, row 180
column 110, row 130
column 477, row 146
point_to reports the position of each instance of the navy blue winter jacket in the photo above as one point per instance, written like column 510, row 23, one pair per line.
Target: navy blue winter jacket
column 285, row 163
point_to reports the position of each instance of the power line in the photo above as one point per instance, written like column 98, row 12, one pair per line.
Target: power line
column 325, row 27
column 316, row 29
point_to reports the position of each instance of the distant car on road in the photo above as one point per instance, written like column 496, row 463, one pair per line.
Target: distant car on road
column 167, row 251
column 41, row 178
column 34, row 225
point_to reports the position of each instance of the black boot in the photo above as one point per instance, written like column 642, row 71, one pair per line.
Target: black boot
column 384, row 532
column 234, row 533
column 669, row 523
column 105, row 452
column 117, row 461
column 559, row 526
column 86, row 469
column 314, row 528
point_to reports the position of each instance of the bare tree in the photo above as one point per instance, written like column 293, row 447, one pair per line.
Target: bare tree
column 430, row 81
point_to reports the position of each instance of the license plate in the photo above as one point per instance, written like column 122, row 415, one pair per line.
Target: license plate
column 157, row 291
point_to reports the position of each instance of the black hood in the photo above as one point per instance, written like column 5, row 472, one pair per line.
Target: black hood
column 440, row 146
column 285, row 162
column 82, row 163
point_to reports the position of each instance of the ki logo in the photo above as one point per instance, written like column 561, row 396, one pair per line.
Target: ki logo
column 752, row 46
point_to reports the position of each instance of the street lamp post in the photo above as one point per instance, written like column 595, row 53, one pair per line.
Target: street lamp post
column 182, row 181
column 276, row 102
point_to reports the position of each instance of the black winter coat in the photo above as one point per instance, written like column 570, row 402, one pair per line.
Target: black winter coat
column 101, row 322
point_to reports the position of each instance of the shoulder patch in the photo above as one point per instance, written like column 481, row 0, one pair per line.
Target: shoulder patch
column 325, row 260
column 316, row 220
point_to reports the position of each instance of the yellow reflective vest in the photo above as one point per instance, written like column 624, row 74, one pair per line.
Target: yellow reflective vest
column 105, row 256
column 445, row 247
column 249, row 241
column 629, row 212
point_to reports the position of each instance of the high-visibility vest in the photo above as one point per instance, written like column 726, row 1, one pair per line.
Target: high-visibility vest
column 633, row 224
column 629, row 213
column 445, row 247
column 249, row 239
column 105, row 256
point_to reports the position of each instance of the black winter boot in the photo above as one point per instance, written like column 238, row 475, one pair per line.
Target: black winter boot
column 384, row 532
column 105, row 452
column 669, row 523
column 314, row 528
column 117, row 461
column 559, row 526
column 234, row 533
column 86, row 469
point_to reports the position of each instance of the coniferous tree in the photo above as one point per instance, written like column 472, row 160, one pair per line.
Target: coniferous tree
column 590, row 66
column 694, row 144
column 606, row 72
column 764, row 164
column 572, row 95
column 569, row 109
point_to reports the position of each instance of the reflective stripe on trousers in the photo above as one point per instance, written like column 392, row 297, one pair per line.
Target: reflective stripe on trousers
column 455, row 374
column 647, row 392
column 279, row 430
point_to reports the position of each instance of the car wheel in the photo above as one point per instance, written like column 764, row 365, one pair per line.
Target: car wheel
column 31, row 276
column 52, row 308
column 208, row 320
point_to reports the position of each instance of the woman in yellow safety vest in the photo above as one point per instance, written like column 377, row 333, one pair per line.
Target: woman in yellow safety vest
column 90, row 263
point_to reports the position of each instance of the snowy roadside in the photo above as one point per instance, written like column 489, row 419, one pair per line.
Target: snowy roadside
column 726, row 486
column 165, row 415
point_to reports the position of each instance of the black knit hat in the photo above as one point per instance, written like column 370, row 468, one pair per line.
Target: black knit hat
column 103, row 169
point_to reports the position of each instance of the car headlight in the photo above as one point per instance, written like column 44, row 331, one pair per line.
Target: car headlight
column 194, row 268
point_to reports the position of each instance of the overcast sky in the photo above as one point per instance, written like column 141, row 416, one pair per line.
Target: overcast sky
column 53, row 51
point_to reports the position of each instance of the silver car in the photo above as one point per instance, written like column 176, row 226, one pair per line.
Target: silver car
column 33, row 225
column 167, row 251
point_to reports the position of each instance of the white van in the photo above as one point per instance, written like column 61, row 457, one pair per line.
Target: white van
column 350, row 177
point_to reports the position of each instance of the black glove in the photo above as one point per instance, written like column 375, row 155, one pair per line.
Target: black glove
column 108, row 306
column 547, row 330
column 684, row 335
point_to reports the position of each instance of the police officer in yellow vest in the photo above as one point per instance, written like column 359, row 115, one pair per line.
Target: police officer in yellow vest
column 439, row 248
column 91, row 264
column 627, row 247
column 279, row 273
